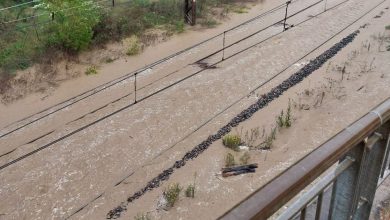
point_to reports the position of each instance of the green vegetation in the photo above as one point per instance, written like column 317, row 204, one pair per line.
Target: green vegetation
column 284, row 120
column 240, row 9
column 133, row 45
column 92, row 70
column 142, row 216
column 231, row 141
column 245, row 158
column 171, row 194
column 387, row 27
column 229, row 160
column 190, row 191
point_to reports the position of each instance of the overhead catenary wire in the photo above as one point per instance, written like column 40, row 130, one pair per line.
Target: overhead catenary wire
column 125, row 77
column 129, row 105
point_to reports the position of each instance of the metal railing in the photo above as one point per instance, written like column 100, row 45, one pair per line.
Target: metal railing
column 360, row 155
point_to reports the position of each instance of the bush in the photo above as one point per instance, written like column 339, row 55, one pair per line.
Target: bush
column 142, row 216
column 72, row 31
column 92, row 70
column 229, row 160
column 387, row 27
column 231, row 141
column 190, row 191
column 133, row 45
column 245, row 158
column 171, row 194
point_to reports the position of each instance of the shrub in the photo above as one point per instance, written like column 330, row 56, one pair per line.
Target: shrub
column 387, row 27
column 171, row 194
column 229, row 160
column 92, row 70
column 284, row 120
column 245, row 158
column 231, row 141
column 179, row 26
column 209, row 22
column 190, row 191
column 133, row 45
column 72, row 31
column 142, row 216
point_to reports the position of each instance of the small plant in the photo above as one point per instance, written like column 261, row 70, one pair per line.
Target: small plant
column 171, row 194
column 269, row 139
column 92, row 70
column 190, row 191
column 209, row 23
column 240, row 9
column 142, row 216
column 109, row 60
column 284, row 120
column 179, row 26
column 287, row 120
column 280, row 120
column 245, row 158
column 133, row 45
column 231, row 141
column 229, row 160
column 251, row 137
column 387, row 27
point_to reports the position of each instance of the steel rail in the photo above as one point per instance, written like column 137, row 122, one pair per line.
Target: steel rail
column 152, row 94
column 118, row 80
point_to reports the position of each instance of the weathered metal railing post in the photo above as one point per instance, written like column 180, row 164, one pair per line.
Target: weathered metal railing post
column 344, row 187
column 370, row 177
column 354, row 191
column 135, row 87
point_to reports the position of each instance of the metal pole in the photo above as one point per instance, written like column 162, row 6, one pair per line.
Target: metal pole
column 223, row 45
column 135, row 87
column 285, row 16
column 193, row 13
column 326, row 1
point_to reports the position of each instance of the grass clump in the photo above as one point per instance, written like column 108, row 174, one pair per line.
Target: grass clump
column 190, row 191
column 209, row 22
column 171, row 194
column 229, row 160
column 269, row 139
column 284, row 120
column 142, row 216
column 245, row 158
column 231, row 141
column 92, row 70
column 240, row 9
column 133, row 45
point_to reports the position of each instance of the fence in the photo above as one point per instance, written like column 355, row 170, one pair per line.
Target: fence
column 361, row 156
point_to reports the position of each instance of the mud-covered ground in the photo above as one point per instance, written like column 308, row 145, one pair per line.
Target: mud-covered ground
column 136, row 144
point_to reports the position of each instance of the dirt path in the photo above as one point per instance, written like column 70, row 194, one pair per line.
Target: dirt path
column 140, row 141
